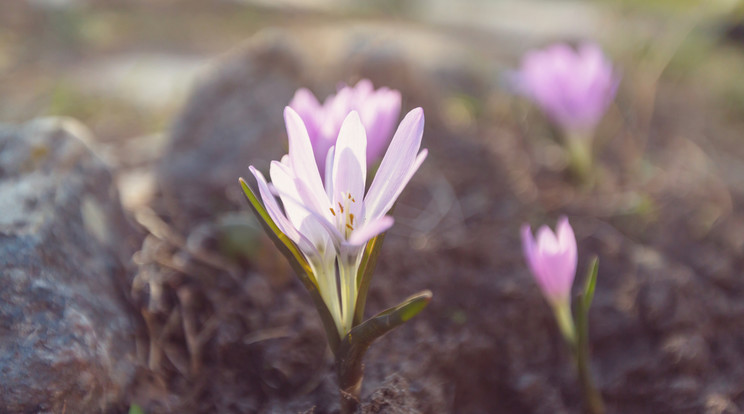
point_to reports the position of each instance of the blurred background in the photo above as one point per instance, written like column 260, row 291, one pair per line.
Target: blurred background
column 125, row 67
column 180, row 96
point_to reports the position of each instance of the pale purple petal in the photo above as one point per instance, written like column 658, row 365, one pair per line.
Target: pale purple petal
column 272, row 207
column 308, row 108
column 552, row 259
column 349, row 164
column 283, row 181
column 294, row 201
column 362, row 235
column 379, row 119
column 528, row 247
column 399, row 159
column 378, row 110
column 416, row 164
column 302, row 159
column 281, row 221
column 329, row 172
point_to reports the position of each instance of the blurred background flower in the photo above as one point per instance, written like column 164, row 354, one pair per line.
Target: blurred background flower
column 573, row 87
column 378, row 109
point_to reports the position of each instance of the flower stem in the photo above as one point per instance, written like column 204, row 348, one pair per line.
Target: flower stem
column 350, row 372
column 577, row 338
column 563, row 317
column 580, row 159
column 592, row 397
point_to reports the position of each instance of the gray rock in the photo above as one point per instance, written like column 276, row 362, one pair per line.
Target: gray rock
column 233, row 119
column 66, row 332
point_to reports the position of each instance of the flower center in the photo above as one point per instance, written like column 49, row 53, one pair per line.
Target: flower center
column 344, row 215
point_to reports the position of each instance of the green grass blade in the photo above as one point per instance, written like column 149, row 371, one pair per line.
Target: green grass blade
column 591, row 283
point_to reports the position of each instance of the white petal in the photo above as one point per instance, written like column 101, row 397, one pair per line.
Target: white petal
column 295, row 206
column 397, row 166
column 329, row 172
column 350, row 164
column 301, row 157
column 283, row 181
column 286, row 227
column 370, row 229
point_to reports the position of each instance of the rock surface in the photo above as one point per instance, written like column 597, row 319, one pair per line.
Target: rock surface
column 67, row 334
column 229, row 123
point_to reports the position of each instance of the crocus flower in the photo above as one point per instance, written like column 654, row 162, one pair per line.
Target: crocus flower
column 572, row 87
column 552, row 259
column 331, row 221
column 378, row 110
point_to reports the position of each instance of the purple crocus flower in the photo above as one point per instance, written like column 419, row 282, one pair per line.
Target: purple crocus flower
column 378, row 110
column 572, row 87
column 552, row 260
column 331, row 221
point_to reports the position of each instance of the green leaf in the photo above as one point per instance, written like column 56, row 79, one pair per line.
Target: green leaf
column 364, row 275
column 298, row 262
column 284, row 243
column 135, row 409
column 592, row 396
column 582, row 305
column 591, row 283
column 385, row 321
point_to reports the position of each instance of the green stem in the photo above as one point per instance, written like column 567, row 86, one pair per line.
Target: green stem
column 593, row 398
column 580, row 159
column 563, row 317
column 350, row 372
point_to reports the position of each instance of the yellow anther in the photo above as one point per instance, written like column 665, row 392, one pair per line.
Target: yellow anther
column 332, row 212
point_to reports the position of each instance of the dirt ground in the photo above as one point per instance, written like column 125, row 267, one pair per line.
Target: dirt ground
column 227, row 328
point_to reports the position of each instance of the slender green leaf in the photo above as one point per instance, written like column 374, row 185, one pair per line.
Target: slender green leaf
column 592, row 396
column 364, row 275
column 385, row 321
column 298, row 262
column 591, row 283
column 285, row 244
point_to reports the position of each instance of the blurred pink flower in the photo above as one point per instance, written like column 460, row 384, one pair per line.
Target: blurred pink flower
column 552, row 260
column 572, row 87
column 378, row 109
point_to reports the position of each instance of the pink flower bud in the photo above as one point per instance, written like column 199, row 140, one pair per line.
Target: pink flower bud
column 552, row 260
